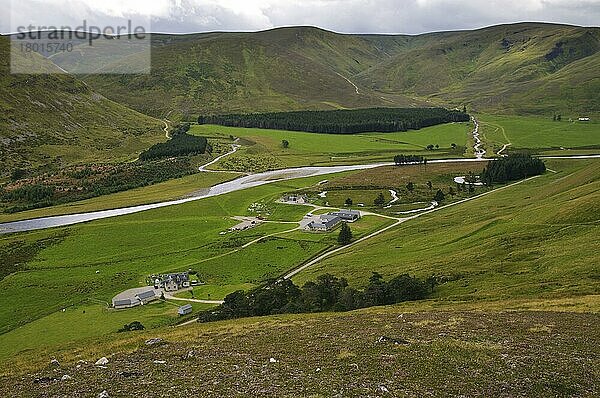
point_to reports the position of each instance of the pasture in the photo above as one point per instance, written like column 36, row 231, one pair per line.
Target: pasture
column 487, row 249
column 85, row 264
column 329, row 149
column 542, row 134
column 533, row 240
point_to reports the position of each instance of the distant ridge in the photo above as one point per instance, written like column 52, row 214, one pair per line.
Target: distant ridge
column 505, row 68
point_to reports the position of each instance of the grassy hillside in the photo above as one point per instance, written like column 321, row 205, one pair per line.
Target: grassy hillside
column 535, row 240
column 520, row 68
column 50, row 121
column 530, row 246
column 280, row 70
column 444, row 353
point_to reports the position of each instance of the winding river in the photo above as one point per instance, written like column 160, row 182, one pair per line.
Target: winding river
column 238, row 184
column 244, row 182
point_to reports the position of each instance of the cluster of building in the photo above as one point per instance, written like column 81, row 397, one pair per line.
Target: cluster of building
column 172, row 282
column 330, row 221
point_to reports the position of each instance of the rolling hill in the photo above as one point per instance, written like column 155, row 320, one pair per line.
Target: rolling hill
column 527, row 68
column 50, row 121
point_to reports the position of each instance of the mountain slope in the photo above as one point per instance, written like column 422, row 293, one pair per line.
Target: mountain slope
column 284, row 69
column 529, row 68
column 55, row 120
column 522, row 68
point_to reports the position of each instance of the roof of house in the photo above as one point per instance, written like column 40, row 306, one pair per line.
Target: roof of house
column 119, row 303
column 186, row 307
column 326, row 221
column 145, row 295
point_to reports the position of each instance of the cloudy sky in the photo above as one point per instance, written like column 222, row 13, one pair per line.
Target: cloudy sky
column 348, row 16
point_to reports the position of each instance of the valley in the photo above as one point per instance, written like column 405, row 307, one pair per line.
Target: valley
column 306, row 183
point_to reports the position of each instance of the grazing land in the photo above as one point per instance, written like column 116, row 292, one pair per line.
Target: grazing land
column 541, row 134
column 264, row 148
column 174, row 239
column 59, row 267
column 510, row 244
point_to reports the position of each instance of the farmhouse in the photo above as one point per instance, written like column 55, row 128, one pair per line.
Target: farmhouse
column 184, row 310
column 325, row 223
column 348, row 215
column 172, row 282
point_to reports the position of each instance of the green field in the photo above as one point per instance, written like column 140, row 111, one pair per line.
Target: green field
column 541, row 134
column 327, row 149
column 534, row 240
column 58, row 268
column 506, row 249
column 69, row 266
column 87, row 321
column 173, row 189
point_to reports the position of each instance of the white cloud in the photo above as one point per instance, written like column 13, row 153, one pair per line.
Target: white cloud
column 355, row 16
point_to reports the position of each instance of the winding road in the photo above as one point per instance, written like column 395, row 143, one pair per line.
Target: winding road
column 204, row 169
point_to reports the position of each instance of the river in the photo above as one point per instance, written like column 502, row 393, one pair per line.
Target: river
column 238, row 184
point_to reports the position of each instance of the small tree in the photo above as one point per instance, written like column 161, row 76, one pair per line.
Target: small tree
column 349, row 202
column 453, row 146
column 464, row 109
column 451, row 191
column 285, row 144
column 410, row 186
column 439, row 196
column 559, row 118
column 345, row 236
column 429, row 185
column 379, row 200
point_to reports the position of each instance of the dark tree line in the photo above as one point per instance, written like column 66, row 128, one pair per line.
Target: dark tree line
column 180, row 145
column 409, row 159
column 342, row 121
column 513, row 167
column 327, row 293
